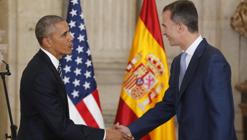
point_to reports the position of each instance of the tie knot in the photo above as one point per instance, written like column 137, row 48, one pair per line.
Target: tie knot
column 59, row 69
column 184, row 54
column 183, row 58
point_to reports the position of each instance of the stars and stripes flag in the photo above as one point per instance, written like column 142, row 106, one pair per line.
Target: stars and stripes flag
column 78, row 73
column 147, row 74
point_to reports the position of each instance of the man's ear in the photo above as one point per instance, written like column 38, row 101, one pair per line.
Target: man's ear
column 181, row 27
column 46, row 42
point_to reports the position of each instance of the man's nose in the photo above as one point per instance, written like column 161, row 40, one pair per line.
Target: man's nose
column 71, row 37
column 163, row 31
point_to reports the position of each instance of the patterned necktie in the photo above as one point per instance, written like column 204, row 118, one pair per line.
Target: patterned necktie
column 59, row 69
column 182, row 68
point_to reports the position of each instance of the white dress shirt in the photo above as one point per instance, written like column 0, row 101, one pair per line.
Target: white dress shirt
column 53, row 59
column 191, row 50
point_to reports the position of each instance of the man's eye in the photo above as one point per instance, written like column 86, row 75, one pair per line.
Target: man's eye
column 65, row 34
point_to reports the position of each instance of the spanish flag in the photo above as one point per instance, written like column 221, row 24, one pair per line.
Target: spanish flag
column 147, row 74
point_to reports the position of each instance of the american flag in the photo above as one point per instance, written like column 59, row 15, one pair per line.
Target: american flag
column 78, row 73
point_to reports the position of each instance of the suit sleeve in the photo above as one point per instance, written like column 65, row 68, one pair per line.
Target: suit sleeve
column 156, row 116
column 219, row 97
column 49, row 103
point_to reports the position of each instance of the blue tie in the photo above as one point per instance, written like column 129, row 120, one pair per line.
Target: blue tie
column 182, row 68
column 59, row 69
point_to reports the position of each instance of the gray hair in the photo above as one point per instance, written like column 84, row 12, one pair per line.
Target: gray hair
column 45, row 26
column 184, row 11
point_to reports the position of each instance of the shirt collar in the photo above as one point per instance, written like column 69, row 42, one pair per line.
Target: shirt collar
column 191, row 49
column 53, row 59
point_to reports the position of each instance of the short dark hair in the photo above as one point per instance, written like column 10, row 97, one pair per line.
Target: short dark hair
column 184, row 11
column 44, row 26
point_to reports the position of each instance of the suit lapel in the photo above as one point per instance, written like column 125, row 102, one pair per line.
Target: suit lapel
column 194, row 62
column 50, row 65
column 47, row 61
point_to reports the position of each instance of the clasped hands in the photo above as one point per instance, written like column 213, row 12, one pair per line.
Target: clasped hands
column 118, row 132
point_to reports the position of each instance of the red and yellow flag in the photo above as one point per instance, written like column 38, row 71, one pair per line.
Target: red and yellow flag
column 147, row 74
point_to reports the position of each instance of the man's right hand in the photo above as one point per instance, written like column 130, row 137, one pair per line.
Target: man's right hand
column 114, row 134
column 123, row 129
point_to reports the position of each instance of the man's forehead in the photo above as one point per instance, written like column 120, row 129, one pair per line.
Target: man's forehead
column 63, row 25
column 166, row 13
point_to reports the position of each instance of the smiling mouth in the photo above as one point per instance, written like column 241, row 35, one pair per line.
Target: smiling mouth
column 70, row 46
column 168, row 38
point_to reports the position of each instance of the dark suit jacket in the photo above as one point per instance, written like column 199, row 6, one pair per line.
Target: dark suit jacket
column 204, row 105
column 44, row 107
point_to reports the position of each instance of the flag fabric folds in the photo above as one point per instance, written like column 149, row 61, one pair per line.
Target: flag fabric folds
column 78, row 73
column 147, row 74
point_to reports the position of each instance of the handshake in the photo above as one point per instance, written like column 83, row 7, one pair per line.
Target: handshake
column 118, row 132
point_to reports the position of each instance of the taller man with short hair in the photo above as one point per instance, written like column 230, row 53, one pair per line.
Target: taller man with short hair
column 199, row 92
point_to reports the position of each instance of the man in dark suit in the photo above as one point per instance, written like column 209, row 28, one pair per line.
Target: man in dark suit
column 44, row 106
column 199, row 90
